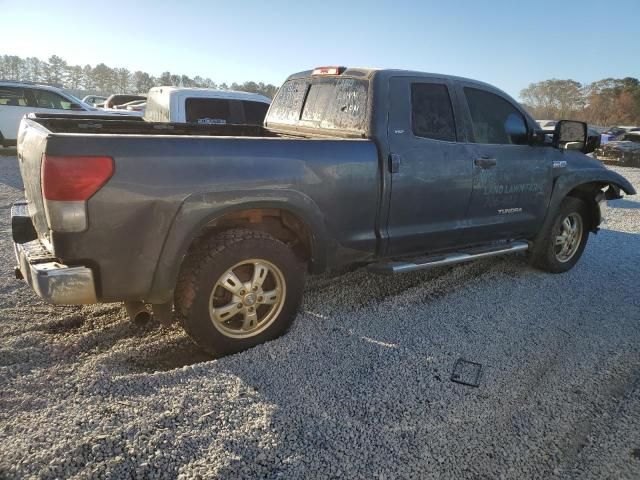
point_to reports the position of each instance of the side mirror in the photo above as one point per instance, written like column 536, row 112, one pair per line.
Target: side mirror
column 570, row 135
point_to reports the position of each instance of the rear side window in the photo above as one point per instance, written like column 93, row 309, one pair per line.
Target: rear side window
column 207, row 111
column 431, row 112
column 254, row 112
column 494, row 119
column 13, row 97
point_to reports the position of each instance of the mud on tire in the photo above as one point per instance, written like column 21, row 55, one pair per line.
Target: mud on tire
column 546, row 252
column 207, row 291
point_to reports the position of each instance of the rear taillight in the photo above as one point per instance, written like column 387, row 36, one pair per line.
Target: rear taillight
column 74, row 178
column 67, row 183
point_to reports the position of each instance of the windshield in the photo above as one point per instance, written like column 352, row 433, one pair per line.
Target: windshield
column 80, row 102
column 325, row 103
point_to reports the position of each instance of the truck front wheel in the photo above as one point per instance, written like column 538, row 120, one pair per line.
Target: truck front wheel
column 560, row 246
column 237, row 289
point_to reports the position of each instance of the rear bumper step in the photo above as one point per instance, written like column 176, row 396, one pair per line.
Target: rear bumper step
column 53, row 281
column 422, row 263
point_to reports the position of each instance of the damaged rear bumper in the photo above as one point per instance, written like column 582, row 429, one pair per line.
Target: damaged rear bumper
column 53, row 281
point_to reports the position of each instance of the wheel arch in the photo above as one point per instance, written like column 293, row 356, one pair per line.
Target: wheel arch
column 591, row 186
column 277, row 216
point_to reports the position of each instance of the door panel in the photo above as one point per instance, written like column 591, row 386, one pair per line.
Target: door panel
column 431, row 186
column 512, row 180
column 509, row 199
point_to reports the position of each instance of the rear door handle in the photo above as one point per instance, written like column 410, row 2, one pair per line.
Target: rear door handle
column 485, row 162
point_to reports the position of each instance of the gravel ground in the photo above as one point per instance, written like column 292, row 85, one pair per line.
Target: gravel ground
column 360, row 388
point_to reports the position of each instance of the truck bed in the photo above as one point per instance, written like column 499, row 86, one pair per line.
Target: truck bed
column 108, row 124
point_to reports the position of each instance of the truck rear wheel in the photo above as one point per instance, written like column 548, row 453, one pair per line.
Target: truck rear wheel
column 560, row 246
column 237, row 289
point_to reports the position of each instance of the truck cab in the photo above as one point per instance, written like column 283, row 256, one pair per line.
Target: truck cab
column 205, row 106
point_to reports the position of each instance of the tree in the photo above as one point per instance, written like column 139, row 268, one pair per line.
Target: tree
column 55, row 71
column 142, row 82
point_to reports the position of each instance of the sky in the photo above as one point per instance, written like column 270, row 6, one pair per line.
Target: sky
column 509, row 44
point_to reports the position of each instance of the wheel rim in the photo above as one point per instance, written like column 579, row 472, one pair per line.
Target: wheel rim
column 568, row 240
column 247, row 298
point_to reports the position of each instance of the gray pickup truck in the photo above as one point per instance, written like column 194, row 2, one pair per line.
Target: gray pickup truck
column 217, row 225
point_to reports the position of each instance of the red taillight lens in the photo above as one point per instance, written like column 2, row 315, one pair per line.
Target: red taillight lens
column 74, row 178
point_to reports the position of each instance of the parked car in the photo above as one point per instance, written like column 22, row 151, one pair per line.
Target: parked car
column 547, row 125
column 205, row 106
column 95, row 100
column 119, row 99
column 614, row 132
column 20, row 98
column 135, row 106
column 624, row 150
column 399, row 170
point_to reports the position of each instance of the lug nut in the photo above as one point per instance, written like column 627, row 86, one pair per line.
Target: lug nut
column 242, row 292
column 260, row 299
column 239, row 305
column 251, row 309
column 255, row 289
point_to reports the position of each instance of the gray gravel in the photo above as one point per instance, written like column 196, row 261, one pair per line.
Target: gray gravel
column 359, row 388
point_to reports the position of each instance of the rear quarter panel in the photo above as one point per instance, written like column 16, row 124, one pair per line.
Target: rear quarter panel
column 165, row 189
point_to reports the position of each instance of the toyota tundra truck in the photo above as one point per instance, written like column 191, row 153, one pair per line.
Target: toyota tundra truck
column 217, row 225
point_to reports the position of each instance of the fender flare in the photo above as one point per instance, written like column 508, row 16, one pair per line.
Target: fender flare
column 199, row 210
column 565, row 183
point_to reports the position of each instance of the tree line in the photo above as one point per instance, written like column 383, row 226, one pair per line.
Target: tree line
column 607, row 102
column 104, row 80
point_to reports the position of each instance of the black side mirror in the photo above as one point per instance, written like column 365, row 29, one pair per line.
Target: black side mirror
column 570, row 135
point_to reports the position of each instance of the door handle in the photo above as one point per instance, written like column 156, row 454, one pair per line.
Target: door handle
column 394, row 163
column 485, row 162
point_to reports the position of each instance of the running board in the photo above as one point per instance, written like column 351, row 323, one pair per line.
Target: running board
column 390, row 268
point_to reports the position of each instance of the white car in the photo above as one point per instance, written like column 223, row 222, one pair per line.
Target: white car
column 205, row 106
column 20, row 98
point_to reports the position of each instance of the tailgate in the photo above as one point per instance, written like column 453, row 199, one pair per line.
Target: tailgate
column 32, row 140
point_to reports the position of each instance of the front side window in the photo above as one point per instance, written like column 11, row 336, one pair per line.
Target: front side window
column 207, row 111
column 13, row 97
column 47, row 99
column 431, row 112
column 494, row 119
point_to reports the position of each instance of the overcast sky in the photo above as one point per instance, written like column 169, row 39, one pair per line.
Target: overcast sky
column 507, row 43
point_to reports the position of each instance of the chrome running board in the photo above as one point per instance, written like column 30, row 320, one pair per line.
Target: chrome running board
column 421, row 263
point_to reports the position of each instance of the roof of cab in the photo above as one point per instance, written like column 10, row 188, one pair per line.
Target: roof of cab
column 210, row 93
column 389, row 72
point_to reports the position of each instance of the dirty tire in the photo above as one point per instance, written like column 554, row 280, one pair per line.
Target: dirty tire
column 206, row 263
column 543, row 255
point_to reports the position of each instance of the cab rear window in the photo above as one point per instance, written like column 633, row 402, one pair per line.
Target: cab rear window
column 208, row 111
column 326, row 103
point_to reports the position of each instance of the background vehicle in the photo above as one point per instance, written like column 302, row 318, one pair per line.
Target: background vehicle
column 401, row 170
column 94, row 100
column 614, row 132
column 20, row 98
column 205, row 106
column 135, row 106
column 624, row 150
column 547, row 125
column 119, row 99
